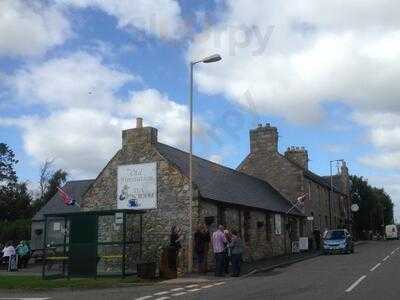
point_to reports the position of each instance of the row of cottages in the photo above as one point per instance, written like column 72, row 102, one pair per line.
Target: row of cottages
column 327, row 204
column 250, row 199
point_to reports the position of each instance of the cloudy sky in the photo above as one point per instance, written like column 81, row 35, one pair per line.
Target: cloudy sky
column 73, row 73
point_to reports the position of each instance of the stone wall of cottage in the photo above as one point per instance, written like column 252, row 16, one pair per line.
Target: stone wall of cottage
column 266, row 163
column 172, row 192
column 256, row 227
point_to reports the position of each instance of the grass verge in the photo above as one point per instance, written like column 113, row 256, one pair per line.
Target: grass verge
column 36, row 283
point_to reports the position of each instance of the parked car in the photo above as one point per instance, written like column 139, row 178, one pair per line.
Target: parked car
column 338, row 241
column 391, row 232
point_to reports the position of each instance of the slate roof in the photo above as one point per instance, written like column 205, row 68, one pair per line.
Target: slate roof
column 322, row 180
column 223, row 184
column 75, row 189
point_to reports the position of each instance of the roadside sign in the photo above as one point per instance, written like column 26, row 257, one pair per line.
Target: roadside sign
column 354, row 207
column 295, row 247
column 310, row 218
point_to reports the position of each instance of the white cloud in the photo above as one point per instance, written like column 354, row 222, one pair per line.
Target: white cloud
column 351, row 54
column 384, row 136
column 83, row 131
column 161, row 18
column 77, row 80
column 30, row 28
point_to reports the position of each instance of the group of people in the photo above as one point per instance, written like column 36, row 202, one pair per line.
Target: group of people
column 22, row 250
column 227, row 248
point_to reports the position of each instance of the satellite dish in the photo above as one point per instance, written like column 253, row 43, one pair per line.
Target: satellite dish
column 354, row 207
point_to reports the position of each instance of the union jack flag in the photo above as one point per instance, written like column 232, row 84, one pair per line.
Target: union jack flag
column 67, row 199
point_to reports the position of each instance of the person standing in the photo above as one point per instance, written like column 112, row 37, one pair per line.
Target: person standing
column 8, row 251
column 175, row 246
column 227, row 251
column 201, row 239
column 218, row 243
column 207, row 239
column 236, row 247
column 23, row 251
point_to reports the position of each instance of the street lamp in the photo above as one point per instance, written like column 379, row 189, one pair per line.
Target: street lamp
column 206, row 60
column 331, row 191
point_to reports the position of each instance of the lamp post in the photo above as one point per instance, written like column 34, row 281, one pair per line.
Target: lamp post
column 206, row 60
column 331, row 191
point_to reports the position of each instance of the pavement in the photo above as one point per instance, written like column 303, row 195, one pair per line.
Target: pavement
column 372, row 272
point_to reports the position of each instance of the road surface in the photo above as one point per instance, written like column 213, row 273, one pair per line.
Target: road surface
column 372, row 272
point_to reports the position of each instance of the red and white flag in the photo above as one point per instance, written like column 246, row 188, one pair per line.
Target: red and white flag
column 67, row 199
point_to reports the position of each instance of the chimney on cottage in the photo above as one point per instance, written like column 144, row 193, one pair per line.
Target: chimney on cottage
column 298, row 155
column 264, row 139
column 140, row 135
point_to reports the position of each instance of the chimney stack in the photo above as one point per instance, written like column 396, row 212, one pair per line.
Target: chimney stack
column 139, row 122
column 139, row 136
column 264, row 139
column 298, row 155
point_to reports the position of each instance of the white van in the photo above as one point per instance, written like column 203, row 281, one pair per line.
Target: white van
column 391, row 232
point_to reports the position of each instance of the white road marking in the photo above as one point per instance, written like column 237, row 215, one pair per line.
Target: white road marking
column 191, row 286
column 176, row 289
column 219, row 283
column 357, row 282
column 24, row 298
column 163, row 298
column 178, row 294
column 144, row 298
column 193, row 290
column 376, row 266
column 160, row 293
column 385, row 258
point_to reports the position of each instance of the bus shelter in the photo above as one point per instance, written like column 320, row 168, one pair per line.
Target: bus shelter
column 92, row 243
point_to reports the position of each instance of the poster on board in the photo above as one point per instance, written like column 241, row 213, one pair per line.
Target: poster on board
column 137, row 186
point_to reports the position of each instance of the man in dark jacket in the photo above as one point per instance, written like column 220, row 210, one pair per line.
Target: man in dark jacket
column 201, row 246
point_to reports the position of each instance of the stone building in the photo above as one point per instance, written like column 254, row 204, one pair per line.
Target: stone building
column 290, row 175
column 221, row 196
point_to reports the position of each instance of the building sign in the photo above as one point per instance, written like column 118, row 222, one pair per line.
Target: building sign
column 137, row 186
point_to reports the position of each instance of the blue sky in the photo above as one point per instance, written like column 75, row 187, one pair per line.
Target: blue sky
column 74, row 73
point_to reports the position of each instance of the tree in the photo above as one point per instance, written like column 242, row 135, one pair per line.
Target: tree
column 376, row 206
column 45, row 174
column 7, row 165
column 57, row 179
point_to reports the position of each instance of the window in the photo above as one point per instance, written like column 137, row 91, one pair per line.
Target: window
column 221, row 216
column 268, row 229
column 278, row 224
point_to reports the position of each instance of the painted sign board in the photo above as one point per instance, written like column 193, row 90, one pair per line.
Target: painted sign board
column 303, row 243
column 137, row 186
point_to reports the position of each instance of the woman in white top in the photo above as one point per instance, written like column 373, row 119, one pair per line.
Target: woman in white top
column 8, row 251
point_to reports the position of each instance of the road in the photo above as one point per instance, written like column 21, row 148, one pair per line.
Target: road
column 372, row 272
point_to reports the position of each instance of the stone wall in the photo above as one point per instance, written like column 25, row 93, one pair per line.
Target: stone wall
column 172, row 193
column 256, row 228
column 265, row 162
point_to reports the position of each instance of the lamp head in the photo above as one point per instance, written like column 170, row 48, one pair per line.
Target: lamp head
column 212, row 58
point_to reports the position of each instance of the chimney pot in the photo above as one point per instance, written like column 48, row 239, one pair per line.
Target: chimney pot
column 139, row 122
